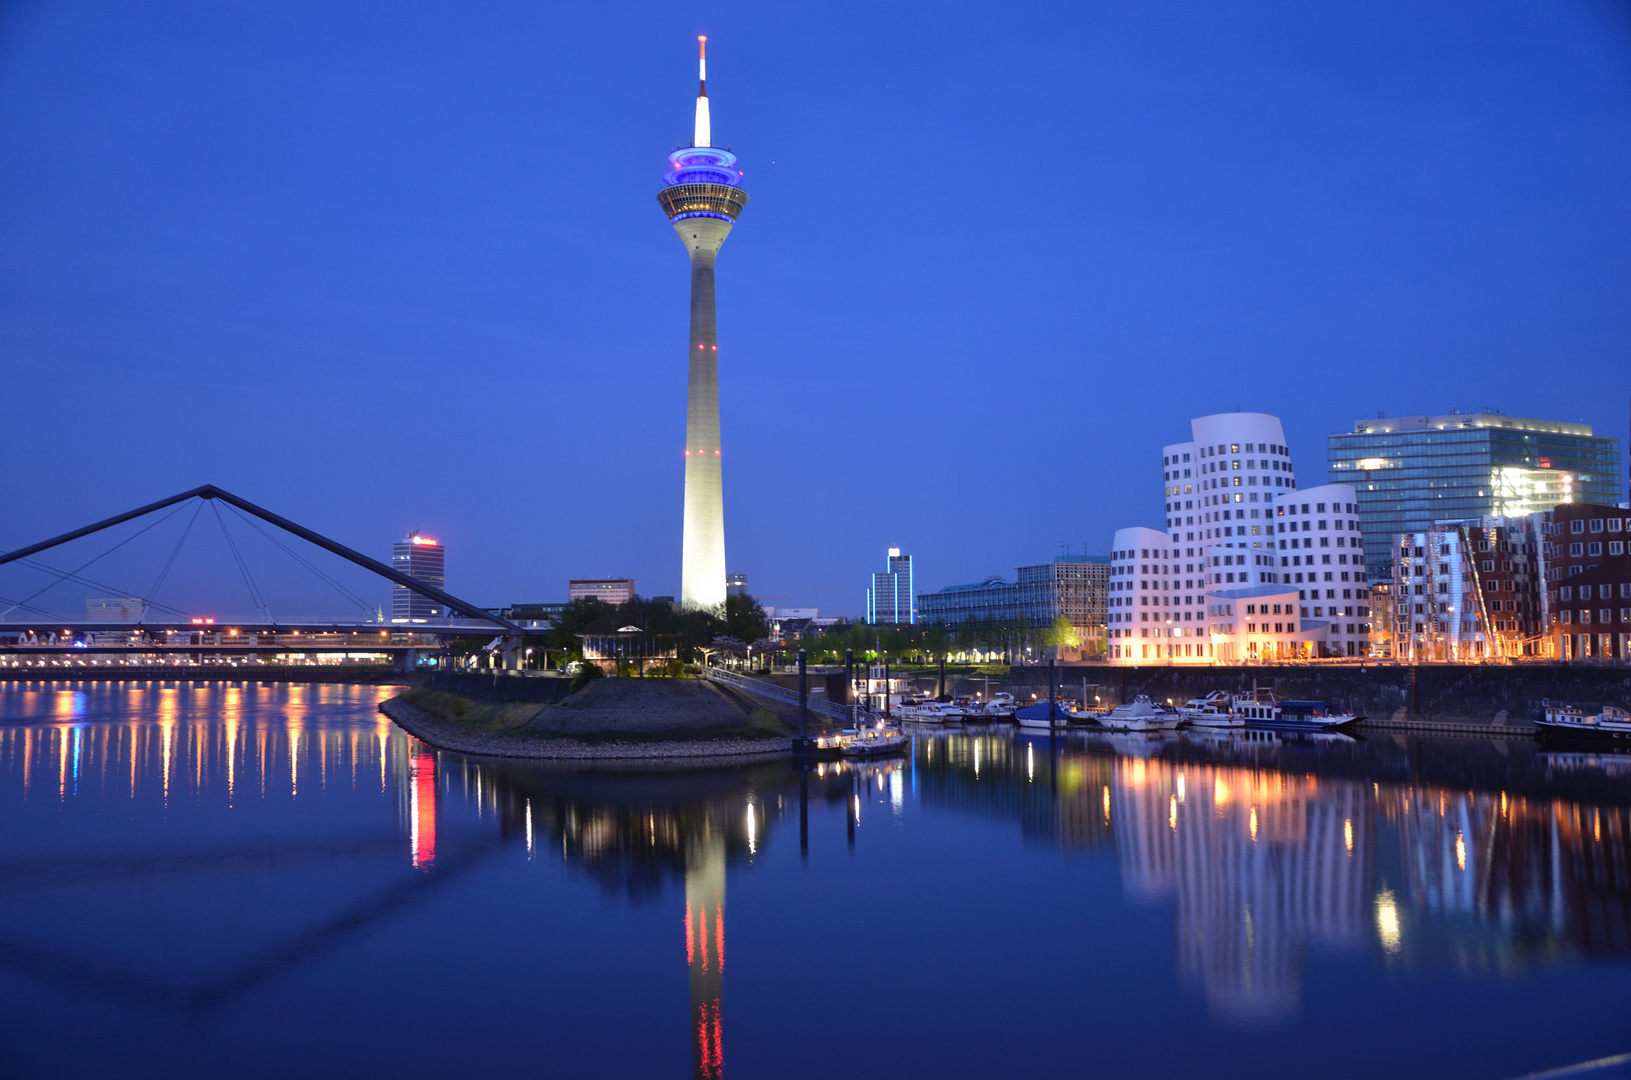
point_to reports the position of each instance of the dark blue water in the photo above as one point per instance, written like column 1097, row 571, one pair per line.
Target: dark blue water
column 207, row 880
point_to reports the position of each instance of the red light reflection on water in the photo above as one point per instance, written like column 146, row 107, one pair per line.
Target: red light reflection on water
column 710, row 1042
column 422, row 811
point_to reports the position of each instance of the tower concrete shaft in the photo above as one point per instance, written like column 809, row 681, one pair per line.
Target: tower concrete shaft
column 702, row 196
column 702, row 562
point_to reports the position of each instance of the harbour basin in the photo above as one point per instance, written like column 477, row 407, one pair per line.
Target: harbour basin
column 265, row 879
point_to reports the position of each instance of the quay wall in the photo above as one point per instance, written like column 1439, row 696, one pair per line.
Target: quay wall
column 206, row 673
column 1455, row 693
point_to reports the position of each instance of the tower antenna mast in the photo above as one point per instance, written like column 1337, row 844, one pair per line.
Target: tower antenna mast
column 704, row 131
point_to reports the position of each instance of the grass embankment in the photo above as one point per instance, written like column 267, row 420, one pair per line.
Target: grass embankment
column 477, row 714
column 610, row 711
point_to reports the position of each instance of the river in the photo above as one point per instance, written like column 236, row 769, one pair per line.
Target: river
column 207, row 879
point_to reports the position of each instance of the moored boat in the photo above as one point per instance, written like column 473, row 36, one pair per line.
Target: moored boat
column 1140, row 714
column 1001, row 706
column 926, row 712
column 1609, row 725
column 875, row 742
column 1290, row 715
column 1039, row 715
column 1215, row 710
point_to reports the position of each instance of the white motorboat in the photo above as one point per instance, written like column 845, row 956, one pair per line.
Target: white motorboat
column 1141, row 714
column 925, row 712
column 873, row 742
column 965, row 709
column 1610, row 724
column 1215, row 710
column 1001, row 706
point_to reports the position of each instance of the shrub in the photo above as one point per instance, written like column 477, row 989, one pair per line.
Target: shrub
column 584, row 675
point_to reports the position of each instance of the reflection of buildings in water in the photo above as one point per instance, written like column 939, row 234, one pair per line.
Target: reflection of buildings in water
column 1053, row 792
column 1540, row 875
column 1260, row 863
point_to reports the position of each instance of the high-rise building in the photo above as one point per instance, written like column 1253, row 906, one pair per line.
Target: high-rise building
column 606, row 590
column 1414, row 471
column 736, row 584
column 889, row 600
column 702, row 196
column 422, row 559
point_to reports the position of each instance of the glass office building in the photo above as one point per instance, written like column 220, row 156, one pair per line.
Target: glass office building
column 1413, row 471
column 1072, row 587
column 889, row 600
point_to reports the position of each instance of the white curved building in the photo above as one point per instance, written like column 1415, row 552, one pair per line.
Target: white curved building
column 1156, row 605
column 1224, row 478
column 1232, row 557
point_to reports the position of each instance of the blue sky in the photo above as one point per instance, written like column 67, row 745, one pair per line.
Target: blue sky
column 383, row 266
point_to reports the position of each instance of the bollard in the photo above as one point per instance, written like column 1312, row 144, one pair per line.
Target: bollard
column 804, row 697
column 1053, row 708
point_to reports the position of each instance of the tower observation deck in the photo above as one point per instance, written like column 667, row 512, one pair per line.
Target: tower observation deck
column 702, row 196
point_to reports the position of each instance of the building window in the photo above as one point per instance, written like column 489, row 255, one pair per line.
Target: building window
column 1594, row 548
column 1576, row 550
column 1596, row 525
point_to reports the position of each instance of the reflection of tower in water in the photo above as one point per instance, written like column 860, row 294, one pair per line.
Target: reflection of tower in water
column 705, row 948
column 422, row 804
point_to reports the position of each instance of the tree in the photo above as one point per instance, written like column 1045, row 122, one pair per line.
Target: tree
column 1061, row 635
column 576, row 618
column 745, row 619
column 726, row 645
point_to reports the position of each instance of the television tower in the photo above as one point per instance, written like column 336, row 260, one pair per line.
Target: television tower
column 702, row 196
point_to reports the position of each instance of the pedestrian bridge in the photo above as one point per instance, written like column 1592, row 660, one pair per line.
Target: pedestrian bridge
column 25, row 628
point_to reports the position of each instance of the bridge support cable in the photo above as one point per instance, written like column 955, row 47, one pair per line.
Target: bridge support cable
column 21, row 555
column 171, row 561
column 15, row 604
column 80, row 579
column 344, row 592
column 255, row 596
column 210, row 491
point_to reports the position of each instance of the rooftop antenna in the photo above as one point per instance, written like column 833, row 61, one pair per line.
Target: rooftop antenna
column 704, row 132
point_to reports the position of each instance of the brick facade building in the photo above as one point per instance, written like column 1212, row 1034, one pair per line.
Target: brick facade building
column 1589, row 581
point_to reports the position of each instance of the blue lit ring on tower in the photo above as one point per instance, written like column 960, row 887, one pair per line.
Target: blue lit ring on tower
column 702, row 181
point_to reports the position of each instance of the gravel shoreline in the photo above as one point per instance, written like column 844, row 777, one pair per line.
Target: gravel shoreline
column 455, row 737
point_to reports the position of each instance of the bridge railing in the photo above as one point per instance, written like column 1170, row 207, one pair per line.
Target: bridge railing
column 817, row 703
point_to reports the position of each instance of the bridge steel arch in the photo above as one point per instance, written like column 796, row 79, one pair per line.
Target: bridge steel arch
column 210, row 491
